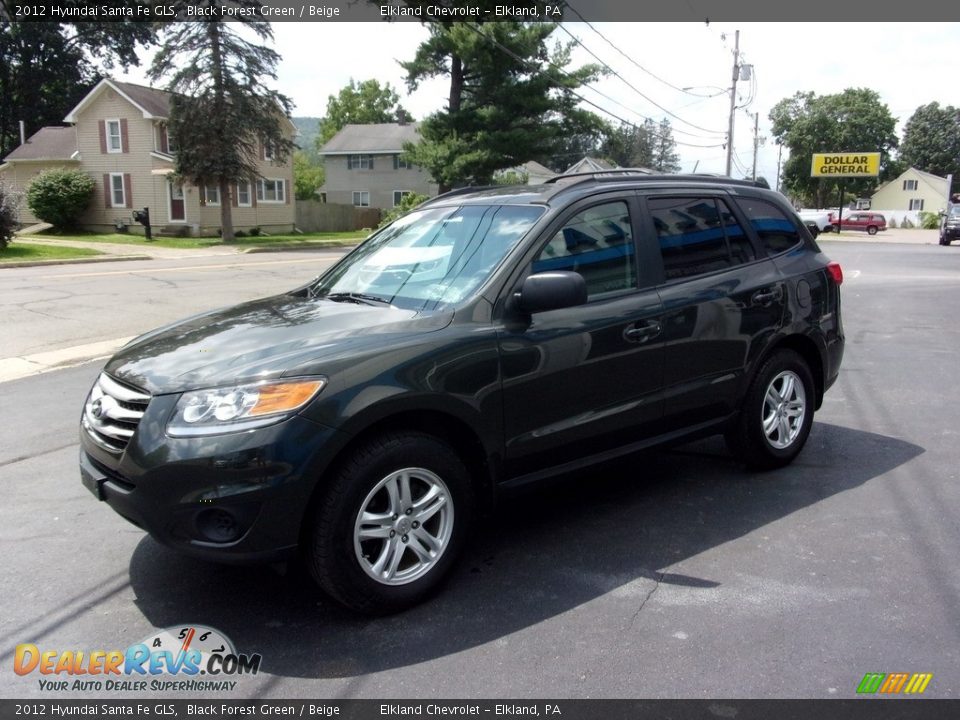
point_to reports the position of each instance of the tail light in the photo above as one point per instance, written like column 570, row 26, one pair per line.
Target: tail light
column 836, row 272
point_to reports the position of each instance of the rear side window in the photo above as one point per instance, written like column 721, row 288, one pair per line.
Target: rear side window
column 698, row 236
column 776, row 231
column 598, row 244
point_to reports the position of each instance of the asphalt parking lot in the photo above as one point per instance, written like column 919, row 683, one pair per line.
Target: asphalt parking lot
column 672, row 574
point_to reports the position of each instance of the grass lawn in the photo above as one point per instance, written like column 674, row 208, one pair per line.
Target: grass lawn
column 22, row 252
column 191, row 242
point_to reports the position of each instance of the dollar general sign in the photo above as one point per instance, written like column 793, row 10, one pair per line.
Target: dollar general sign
column 845, row 164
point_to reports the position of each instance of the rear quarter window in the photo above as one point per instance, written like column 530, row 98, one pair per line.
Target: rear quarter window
column 775, row 229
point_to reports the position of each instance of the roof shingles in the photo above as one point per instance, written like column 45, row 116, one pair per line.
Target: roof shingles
column 49, row 143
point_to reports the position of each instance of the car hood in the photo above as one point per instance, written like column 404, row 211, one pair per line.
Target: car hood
column 263, row 339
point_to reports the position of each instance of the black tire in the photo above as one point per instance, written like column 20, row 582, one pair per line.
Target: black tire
column 746, row 437
column 944, row 240
column 872, row 230
column 342, row 564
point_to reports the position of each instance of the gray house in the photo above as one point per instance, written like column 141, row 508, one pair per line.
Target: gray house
column 366, row 168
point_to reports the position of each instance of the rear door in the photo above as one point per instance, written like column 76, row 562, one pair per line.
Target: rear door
column 583, row 380
column 721, row 299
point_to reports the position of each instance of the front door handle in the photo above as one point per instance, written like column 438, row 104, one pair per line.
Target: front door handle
column 641, row 332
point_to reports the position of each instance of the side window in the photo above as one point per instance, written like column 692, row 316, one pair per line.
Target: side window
column 598, row 244
column 776, row 231
column 698, row 236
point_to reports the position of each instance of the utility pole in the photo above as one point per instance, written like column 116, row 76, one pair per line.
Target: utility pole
column 756, row 142
column 733, row 100
column 779, row 156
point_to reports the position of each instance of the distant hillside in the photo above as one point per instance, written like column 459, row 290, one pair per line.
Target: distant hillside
column 308, row 132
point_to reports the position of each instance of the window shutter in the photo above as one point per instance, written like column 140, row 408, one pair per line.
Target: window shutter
column 254, row 189
column 128, row 188
column 164, row 140
column 286, row 191
column 103, row 137
column 396, row 162
column 235, row 195
column 371, row 162
column 107, row 190
column 263, row 150
column 124, row 137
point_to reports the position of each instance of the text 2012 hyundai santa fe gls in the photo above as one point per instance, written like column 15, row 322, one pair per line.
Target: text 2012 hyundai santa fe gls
column 487, row 339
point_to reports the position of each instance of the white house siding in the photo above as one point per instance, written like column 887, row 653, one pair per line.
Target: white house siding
column 930, row 188
column 135, row 161
column 381, row 182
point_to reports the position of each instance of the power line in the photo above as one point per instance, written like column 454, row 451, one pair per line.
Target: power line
column 577, row 95
column 629, row 85
column 611, row 44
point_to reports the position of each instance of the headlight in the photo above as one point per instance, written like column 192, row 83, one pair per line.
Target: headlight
column 242, row 407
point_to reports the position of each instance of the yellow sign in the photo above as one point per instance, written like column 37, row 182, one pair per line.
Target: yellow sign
column 845, row 164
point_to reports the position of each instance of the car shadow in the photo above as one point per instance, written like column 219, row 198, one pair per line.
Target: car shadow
column 540, row 554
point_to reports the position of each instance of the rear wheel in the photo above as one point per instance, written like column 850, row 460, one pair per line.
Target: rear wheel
column 872, row 230
column 777, row 413
column 392, row 523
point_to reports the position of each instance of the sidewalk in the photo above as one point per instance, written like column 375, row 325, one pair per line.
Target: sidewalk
column 908, row 236
column 138, row 250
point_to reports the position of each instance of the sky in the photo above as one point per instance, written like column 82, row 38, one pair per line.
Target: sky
column 908, row 64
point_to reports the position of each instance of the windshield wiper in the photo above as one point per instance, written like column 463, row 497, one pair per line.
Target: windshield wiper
column 359, row 298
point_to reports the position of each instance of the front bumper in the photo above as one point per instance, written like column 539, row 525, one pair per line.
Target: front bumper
column 951, row 232
column 235, row 498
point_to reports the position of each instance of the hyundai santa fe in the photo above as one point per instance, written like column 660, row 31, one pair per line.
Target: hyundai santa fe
column 490, row 338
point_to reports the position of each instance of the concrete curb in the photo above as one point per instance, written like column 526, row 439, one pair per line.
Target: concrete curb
column 302, row 247
column 72, row 261
column 15, row 368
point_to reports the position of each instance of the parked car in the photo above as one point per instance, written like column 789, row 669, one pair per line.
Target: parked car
column 817, row 221
column 950, row 224
column 489, row 339
column 872, row 222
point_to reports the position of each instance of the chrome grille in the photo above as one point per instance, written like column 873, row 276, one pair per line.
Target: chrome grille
column 113, row 412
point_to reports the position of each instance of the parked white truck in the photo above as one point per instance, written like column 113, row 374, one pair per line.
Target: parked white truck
column 817, row 221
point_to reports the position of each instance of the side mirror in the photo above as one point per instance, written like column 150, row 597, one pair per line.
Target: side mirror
column 551, row 291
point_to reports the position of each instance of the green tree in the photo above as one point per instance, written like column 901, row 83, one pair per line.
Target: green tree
column 222, row 111
column 9, row 215
column 60, row 196
column 308, row 176
column 406, row 204
column 665, row 158
column 362, row 103
column 46, row 68
column 509, row 100
column 931, row 140
column 629, row 145
column 852, row 121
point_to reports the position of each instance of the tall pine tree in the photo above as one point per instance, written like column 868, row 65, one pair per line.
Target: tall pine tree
column 509, row 99
column 222, row 112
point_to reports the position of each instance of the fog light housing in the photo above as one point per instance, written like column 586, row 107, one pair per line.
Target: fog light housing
column 218, row 525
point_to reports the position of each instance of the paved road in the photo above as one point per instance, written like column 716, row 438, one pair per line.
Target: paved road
column 672, row 574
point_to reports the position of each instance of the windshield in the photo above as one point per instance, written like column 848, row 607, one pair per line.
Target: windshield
column 428, row 258
column 955, row 211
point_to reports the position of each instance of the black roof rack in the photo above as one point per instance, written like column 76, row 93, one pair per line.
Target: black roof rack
column 461, row 191
column 601, row 174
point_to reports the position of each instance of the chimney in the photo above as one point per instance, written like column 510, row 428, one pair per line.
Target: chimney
column 23, row 133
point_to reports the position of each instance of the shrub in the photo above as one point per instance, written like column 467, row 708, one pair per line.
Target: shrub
column 408, row 203
column 929, row 220
column 892, row 223
column 8, row 215
column 59, row 197
column 239, row 233
column 907, row 223
column 255, row 231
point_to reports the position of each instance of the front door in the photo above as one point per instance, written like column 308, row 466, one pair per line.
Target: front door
column 178, row 210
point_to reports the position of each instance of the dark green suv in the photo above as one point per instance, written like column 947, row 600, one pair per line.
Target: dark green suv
column 490, row 338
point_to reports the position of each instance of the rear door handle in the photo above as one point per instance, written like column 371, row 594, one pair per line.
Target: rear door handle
column 767, row 296
column 641, row 332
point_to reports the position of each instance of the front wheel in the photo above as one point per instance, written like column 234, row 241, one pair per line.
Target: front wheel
column 392, row 522
column 777, row 413
column 944, row 240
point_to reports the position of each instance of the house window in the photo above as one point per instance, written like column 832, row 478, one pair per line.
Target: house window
column 270, row 190
column 268, row 151
column 400, row 163
column 916, row 204
column 118, row 193
column 910, row 185
column 243, row 194
column 114, row 137
column 359, row 162
column 323, row 197
column 361, row 198
column 211, row 194
column 398, row 196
